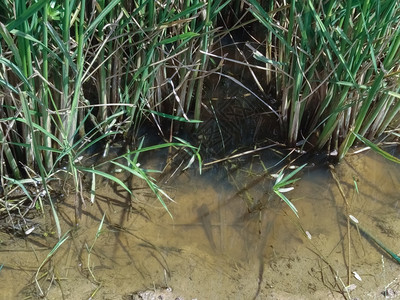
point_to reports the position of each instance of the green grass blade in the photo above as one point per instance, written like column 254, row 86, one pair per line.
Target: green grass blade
column 29, row 12
column 105, row 175
column 378, row 150
column 184, row 36
column 287, row 201
column 286, row 178
column 330, row 40
column 61, row 46
column 17, row 71
column 4, row 32
column 172, row 117
column 142, row 175
column 348, row 142
column 100, row 18
column 20, row 183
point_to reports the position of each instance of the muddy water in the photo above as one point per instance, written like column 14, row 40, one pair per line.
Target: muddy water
column 229, row 238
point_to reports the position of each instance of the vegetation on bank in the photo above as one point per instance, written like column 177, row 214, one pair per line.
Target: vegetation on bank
column 76, row 74
column 338, row 68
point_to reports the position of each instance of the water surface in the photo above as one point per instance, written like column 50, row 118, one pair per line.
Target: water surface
column 229, row 238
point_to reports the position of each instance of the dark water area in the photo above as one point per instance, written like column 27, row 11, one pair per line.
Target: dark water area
column 230, row 237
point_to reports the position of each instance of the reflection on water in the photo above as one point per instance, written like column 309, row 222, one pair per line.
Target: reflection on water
column 229, row 238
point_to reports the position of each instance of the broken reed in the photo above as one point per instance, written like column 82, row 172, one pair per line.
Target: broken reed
column 335, row 67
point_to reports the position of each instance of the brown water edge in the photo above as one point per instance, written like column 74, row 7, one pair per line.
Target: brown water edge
column 214, row 248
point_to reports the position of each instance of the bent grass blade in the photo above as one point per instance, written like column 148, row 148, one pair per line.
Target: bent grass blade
column 154, row 188
column 91, row 248
column 105, row 175
column 48, row 257
column 287, row 201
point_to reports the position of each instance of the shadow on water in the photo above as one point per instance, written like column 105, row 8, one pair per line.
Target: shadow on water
column 230, row 238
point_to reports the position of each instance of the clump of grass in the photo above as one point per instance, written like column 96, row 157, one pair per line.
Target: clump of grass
column 283, row 185
column 335, row 68
column 75, row 74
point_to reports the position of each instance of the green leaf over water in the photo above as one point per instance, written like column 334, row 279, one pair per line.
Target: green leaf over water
column 378, row 150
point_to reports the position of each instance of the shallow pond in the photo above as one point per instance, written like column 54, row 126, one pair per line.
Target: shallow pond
column 229, row 238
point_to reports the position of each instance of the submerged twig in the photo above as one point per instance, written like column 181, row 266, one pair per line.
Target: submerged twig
column 240, row 154
column 91, row 248
column 332, row 169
